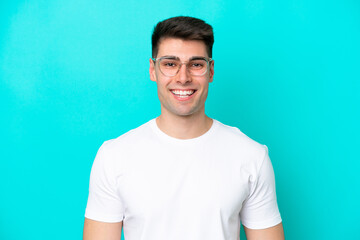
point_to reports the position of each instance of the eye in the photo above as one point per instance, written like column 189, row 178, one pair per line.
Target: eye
column 197, row 64
column 168, row 63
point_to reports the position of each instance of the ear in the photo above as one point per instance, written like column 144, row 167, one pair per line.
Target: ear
column 211, row 71
column 152, row 70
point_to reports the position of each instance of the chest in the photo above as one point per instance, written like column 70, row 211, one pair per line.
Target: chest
column 170, row 185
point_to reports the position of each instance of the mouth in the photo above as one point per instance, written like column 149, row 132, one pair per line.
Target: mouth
column 183, row 94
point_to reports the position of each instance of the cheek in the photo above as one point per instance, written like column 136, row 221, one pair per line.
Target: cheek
column 161, row 89
column 205, row 90
column 162, row 82
column 205, row 85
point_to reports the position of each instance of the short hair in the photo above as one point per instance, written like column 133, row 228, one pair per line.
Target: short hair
column 186, row 28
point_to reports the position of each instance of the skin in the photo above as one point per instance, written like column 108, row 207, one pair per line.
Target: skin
column 179, row 119
column 272, row 233
column 182, row 119
column 94, row 230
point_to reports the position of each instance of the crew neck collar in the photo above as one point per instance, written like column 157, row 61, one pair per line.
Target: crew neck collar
column 168, row 138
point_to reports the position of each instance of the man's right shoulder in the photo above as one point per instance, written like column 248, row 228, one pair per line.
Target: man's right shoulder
column 133, row 137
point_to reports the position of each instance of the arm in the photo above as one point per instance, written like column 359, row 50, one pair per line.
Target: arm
column 94, row 230
column 104, row 209
column 272, row 233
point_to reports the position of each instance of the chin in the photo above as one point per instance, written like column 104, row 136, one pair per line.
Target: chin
column 182, row 110
column 185, row 113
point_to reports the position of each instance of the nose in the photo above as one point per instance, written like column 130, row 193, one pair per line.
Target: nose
column 183, row 75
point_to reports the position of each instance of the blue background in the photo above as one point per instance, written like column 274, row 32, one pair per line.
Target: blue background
column 75, row 73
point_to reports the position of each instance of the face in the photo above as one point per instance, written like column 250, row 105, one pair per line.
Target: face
column 182, row 94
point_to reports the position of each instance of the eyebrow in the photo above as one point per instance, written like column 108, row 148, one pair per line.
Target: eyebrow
column 177, row 58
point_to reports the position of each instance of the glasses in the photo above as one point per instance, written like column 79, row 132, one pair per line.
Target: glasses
column 170, row 66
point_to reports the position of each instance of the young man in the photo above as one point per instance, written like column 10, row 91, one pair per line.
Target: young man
column 182, row 175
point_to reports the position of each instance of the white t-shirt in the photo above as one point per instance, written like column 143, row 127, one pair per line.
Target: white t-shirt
column 166, row 188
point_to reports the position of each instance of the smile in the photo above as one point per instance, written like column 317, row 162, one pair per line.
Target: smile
column 183, row 93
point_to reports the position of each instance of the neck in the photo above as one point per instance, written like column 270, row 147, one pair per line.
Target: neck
column 184, row 127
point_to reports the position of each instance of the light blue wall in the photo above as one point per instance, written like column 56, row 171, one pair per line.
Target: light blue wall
column 75, row 73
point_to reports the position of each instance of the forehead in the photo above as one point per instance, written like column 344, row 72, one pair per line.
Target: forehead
column 184, row 49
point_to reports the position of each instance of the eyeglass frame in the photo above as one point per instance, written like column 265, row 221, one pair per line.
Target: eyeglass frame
column 208, row 61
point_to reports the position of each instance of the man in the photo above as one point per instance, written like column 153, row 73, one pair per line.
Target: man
column 182, row 175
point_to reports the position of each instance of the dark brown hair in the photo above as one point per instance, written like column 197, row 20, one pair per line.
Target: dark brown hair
column 186, row 28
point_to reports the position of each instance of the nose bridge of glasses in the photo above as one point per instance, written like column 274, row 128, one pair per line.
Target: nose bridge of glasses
column 187, row 69
column 185, row 64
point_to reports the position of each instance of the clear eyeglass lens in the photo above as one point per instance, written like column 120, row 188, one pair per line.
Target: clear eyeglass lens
column 170, row 67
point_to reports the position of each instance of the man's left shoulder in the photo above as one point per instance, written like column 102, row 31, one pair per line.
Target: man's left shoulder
column 233, row 137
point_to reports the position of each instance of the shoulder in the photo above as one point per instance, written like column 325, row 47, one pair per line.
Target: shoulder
column 234, row 141
column 128, row 139
column 113, row 150
column 233, row 136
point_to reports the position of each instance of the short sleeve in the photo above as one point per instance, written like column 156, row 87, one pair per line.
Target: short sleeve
column 260, row 209
column 104, row 204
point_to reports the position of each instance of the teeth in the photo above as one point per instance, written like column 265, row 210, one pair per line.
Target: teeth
column 183, row 93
